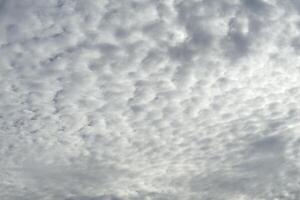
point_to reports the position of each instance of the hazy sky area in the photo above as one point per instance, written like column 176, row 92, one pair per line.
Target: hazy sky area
column 149, row 99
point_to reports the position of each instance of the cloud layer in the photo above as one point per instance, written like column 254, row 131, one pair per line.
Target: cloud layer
column 149, row 99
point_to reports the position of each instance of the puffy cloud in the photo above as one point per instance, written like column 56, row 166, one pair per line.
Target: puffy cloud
column 153, row 100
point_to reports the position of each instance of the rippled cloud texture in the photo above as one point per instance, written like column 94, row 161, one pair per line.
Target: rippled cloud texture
column 149, row 100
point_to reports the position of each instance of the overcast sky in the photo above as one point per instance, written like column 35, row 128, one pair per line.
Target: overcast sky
column 149, row 100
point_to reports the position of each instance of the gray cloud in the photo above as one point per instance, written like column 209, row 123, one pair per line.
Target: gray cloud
column 154, row 100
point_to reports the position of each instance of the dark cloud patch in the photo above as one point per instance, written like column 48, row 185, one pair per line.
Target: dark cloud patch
column 259, row 172
column 236, row 45
column 258, row 7
column 102, row 197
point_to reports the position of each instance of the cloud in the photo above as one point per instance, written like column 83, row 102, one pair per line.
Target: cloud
column 149, row 100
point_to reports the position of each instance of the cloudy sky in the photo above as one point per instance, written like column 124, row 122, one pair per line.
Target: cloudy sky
column 149, row 99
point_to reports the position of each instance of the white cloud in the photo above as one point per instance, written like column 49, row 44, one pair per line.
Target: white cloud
column 150, row 100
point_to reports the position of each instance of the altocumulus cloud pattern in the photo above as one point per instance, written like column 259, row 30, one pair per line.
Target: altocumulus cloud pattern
column 149, row 100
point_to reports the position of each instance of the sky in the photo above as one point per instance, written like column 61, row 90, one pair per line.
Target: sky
column 149, row 100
